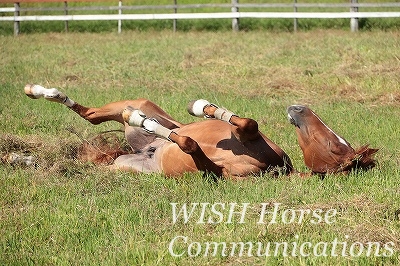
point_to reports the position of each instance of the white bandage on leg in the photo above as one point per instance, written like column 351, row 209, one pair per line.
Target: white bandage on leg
column 68, row 102
column 196, row 108
column 223, row 114
column 54, row 95
column 153, row 126
column 136, row 118
column 35, row 91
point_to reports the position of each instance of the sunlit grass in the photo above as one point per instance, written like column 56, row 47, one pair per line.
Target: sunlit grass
column 187, row 25
column 66, row 212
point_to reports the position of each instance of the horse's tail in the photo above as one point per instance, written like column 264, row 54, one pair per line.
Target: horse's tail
column 101, row 149
column 363, row 158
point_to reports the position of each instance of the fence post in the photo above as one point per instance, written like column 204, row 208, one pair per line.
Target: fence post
column 119, row 13
column 354, row 21
column 235, row 21
column 16, row 23
column 295, row 19
column 66, row 13
column 175, row 11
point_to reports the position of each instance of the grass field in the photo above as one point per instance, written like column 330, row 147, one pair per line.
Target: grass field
column 65, row 212
column 185, row 25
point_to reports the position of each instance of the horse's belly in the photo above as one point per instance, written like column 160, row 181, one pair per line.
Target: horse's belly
column 218, row 143
column 174, row 161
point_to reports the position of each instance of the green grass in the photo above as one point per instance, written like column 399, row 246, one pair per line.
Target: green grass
column 185, row 25
column 67, row 212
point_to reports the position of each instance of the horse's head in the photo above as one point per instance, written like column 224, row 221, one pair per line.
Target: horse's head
column 325, row 151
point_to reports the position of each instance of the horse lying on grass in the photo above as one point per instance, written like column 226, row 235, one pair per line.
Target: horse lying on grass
column 224, row 145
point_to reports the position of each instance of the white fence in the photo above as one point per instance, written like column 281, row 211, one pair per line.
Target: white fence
column 234, row 13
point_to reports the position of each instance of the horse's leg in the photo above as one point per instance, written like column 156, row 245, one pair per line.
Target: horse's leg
column 135, row 117
column 247, row 128
column 109, row 112
column 94, row 115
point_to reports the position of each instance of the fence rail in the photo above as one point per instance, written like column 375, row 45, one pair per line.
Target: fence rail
column 234, row 13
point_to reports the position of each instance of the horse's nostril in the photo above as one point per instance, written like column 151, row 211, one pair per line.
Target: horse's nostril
column 295, row 108
column 298, row 108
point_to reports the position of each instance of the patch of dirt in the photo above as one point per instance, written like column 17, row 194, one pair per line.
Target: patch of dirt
column 32, row 152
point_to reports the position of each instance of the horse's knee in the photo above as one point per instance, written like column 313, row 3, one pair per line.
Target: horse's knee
column 245, row 125
column 87, row 113
column 189, row 145
column 250, row 126
column 93, row 121
column 186, row 144
column 92, row 117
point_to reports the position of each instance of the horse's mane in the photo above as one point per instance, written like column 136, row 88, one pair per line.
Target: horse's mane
column 363, row 159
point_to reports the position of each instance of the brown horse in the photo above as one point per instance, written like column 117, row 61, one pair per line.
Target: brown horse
column 324, row 151
column 224, row 145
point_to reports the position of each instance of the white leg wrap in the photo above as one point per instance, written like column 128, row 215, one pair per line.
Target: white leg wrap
column 38, row 91
column 154, row 127
column 68, row 102
column 163, row 132
column 223, row 114
column 196, row 108
column 136, row 118
column 54, row 95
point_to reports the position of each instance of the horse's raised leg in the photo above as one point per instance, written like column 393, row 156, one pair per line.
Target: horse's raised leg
column 135, row 117
column 37, row 91
column 95, row 116
column 247, row 128
column 109, row 112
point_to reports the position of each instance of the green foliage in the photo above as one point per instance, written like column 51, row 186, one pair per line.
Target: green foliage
column 61, row 211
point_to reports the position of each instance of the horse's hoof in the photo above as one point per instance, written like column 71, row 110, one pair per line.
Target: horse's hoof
column 37, row 91
column 196, row 107
column 33, row 91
